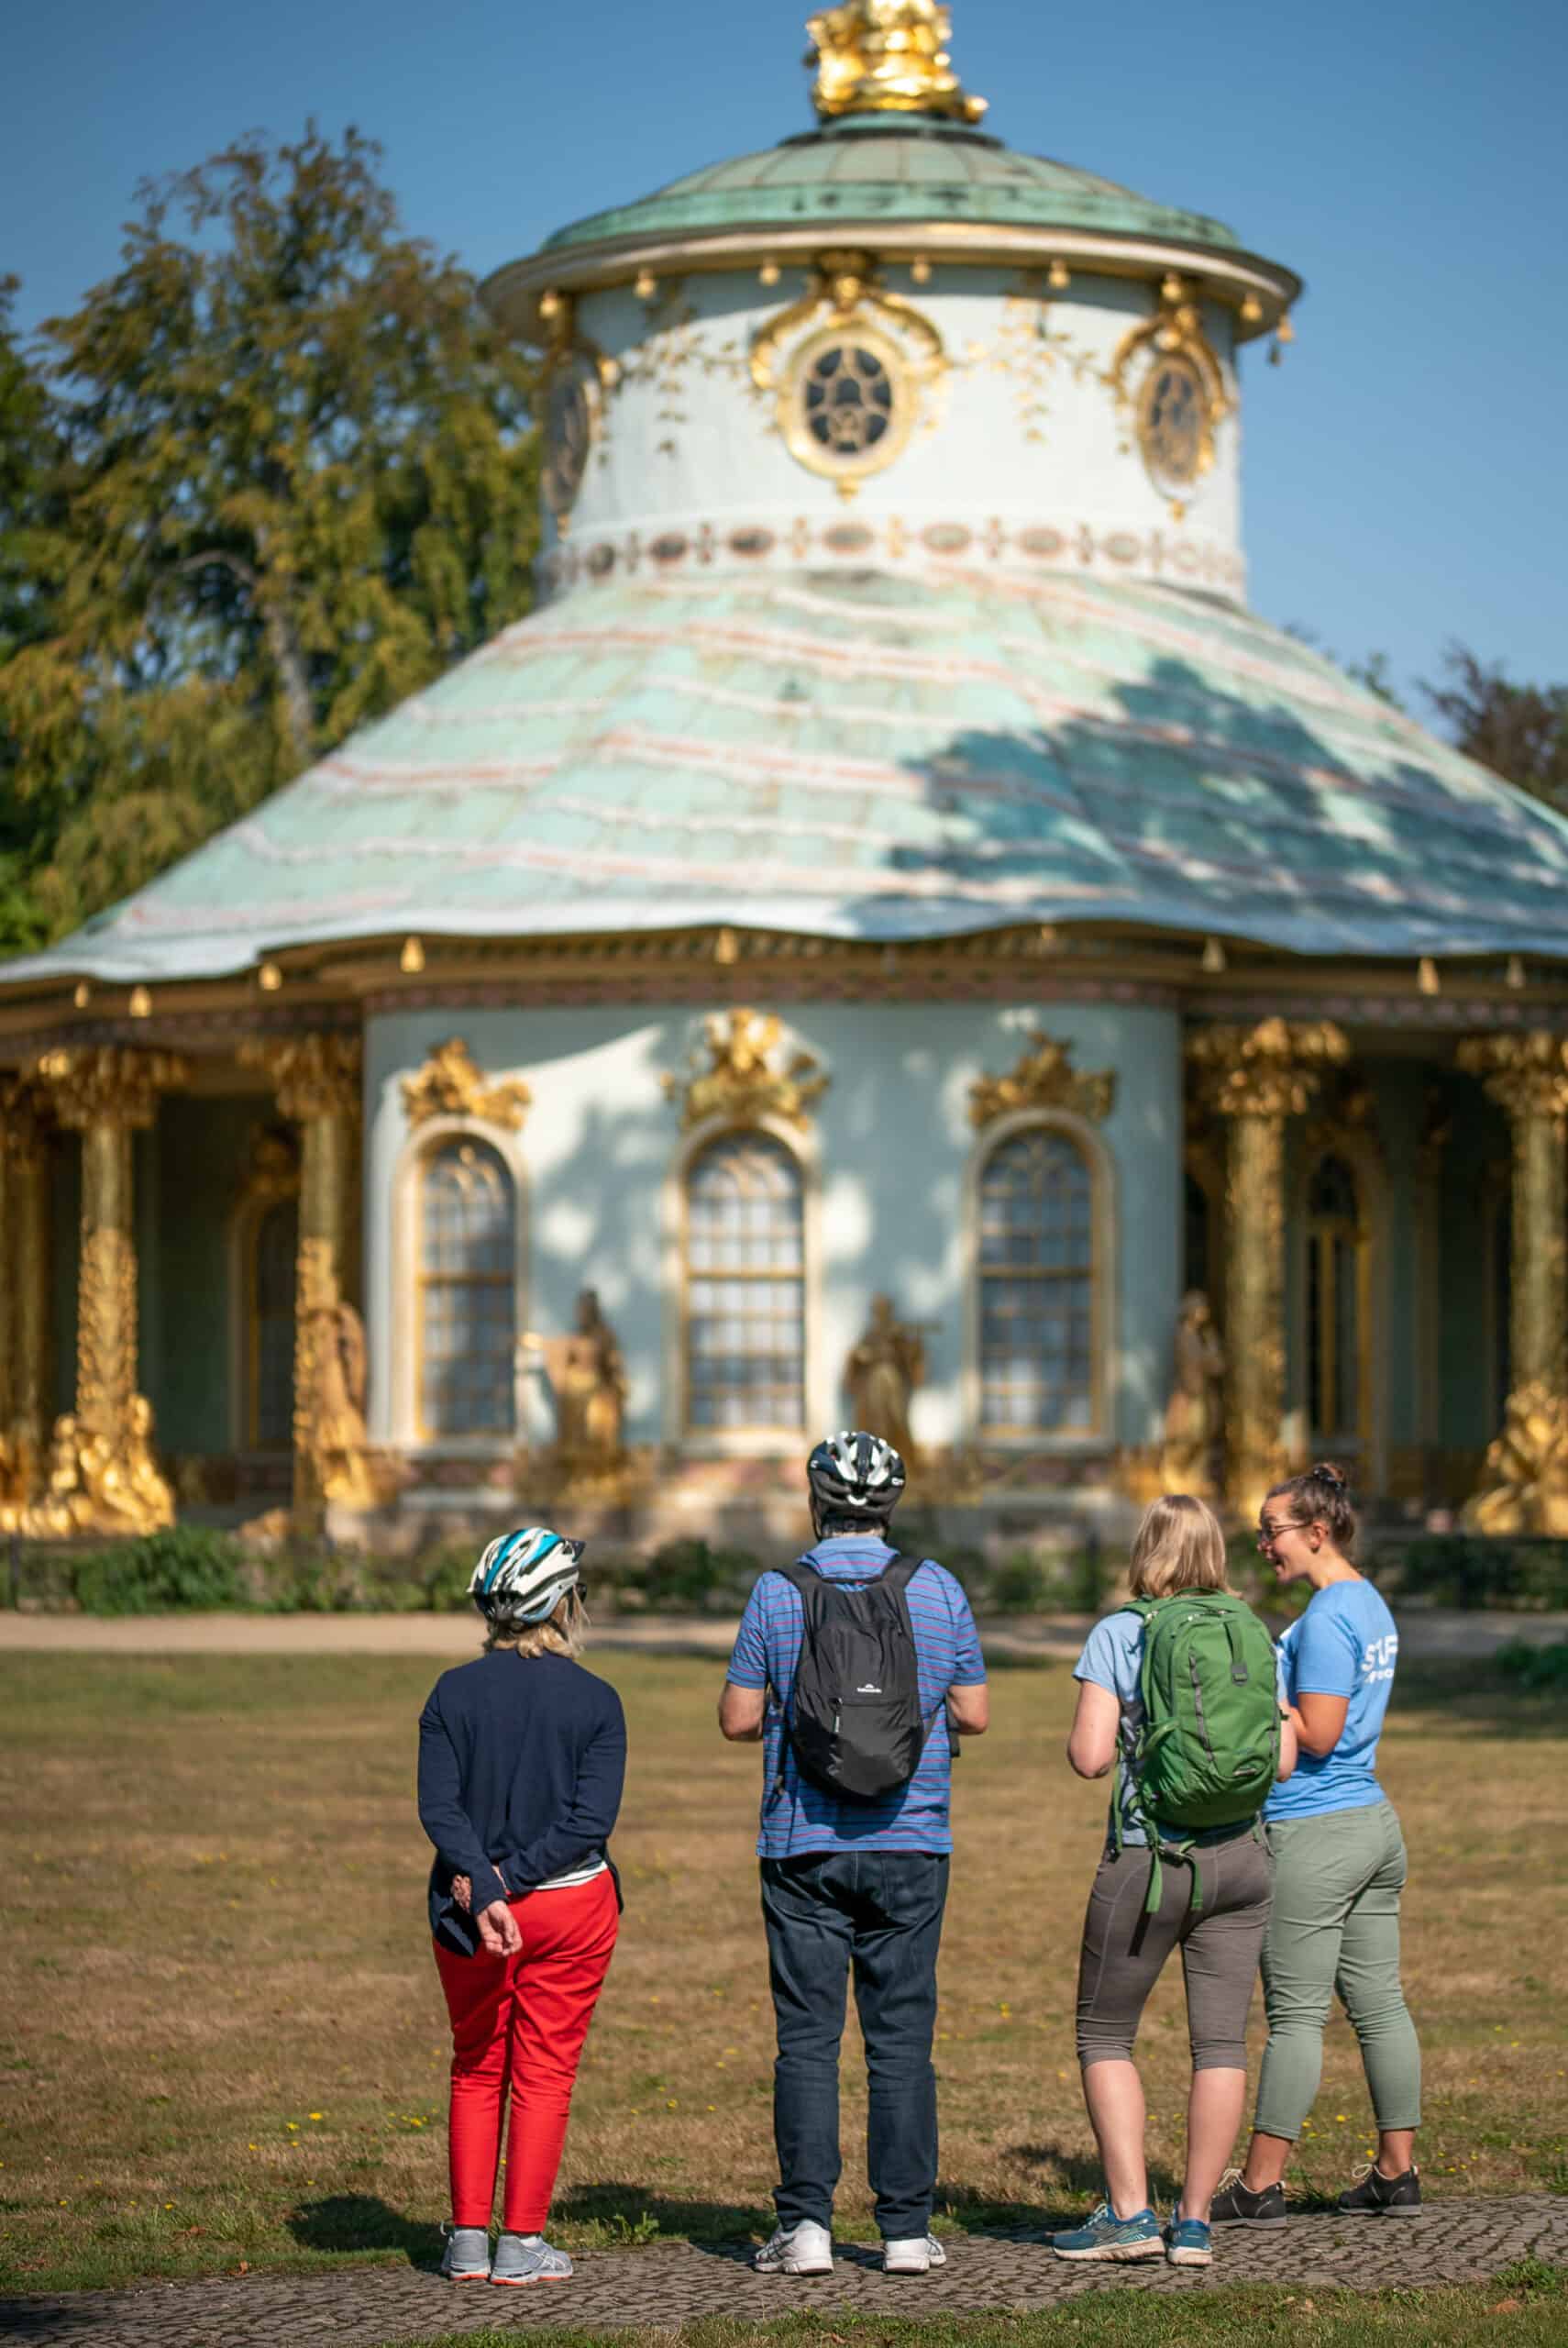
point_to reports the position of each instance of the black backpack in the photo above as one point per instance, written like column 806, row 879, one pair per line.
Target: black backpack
column 853, row 1719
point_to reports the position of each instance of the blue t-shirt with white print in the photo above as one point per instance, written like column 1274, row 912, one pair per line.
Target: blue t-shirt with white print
column 1345, row 1644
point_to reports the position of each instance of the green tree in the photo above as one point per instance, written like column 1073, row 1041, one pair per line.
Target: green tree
column 297, row 481
column 28, row 476
column 1519, row 731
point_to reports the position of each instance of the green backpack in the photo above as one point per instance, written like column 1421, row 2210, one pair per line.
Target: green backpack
column 1209, row 1749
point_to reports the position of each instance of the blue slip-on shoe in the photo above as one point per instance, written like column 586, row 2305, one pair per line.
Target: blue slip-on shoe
column 1108, row 2236
column 1188, row 2242
column 521, row 2259
column 466, row 2258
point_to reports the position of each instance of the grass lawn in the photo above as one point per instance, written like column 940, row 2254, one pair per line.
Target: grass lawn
column 222, row 2041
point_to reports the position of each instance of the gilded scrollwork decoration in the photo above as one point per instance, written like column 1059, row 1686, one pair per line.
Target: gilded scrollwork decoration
column 1168, row 375
column 747, row 1074
column 1044, row 1078
column 852, row 368
column 886, row 57
column 450, row 1085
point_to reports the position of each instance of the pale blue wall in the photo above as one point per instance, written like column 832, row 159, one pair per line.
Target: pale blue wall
column 893, row 1138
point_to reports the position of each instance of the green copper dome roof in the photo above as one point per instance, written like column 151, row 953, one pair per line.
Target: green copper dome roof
column 891, row 169
column 869, row 755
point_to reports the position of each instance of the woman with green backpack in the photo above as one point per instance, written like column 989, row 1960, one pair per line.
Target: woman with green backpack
column 1179, row 1690
column 1339, row 1870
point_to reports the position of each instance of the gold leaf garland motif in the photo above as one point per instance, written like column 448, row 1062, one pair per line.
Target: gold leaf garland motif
column 886, row 57
column 314, row 1076
column 746, row 1077
column 449, row 1085
column 105, row 1312
column 1182, row 398
column 861, row 366
column 1044, row 1078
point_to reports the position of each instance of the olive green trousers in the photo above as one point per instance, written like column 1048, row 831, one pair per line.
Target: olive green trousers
column 1335, row 1926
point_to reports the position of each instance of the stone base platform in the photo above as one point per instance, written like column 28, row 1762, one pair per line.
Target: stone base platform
column 1454, row 2242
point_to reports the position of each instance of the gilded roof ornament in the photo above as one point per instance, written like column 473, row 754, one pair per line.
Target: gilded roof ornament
column 449, row 1085
column 886, row 57
column 1044, row 1078
column 746, row 1077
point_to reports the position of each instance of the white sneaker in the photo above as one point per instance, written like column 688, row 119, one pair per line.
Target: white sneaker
column 805, row 2249
column 916, row 2256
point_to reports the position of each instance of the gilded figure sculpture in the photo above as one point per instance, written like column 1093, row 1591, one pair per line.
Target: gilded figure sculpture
column 746, row 1076
column 1194, row 1415
column 329, row 1400
column 450, row 1085
column 1044, row 1078
column 588, row 1382
column 98, row 1481
column 1525, row 1485
column 886, row 57
column 881, row 1375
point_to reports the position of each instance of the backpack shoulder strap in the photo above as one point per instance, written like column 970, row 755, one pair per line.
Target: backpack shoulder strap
column 899, row 1571
column 799, row 1573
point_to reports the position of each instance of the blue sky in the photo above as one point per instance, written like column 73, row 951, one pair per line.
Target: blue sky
column 1405, row 472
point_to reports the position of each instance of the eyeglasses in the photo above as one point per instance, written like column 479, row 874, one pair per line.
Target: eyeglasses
column 1267, row 1532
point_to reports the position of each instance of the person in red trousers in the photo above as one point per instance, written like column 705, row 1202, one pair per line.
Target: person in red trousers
column 521, row 1760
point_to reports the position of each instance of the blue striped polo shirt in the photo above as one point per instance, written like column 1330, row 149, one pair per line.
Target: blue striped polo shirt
column 800, row 1816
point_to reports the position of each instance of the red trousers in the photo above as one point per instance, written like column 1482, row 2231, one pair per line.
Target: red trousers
column 521, row 2021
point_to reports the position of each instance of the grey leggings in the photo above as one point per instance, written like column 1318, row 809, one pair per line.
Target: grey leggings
column 1336, row 1926
column 1124, row 1950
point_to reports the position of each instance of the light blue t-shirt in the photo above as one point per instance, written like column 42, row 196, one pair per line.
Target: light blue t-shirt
column 1112, row 1654
column 1345, row 1644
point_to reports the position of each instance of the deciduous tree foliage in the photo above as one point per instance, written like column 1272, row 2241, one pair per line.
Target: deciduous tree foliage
column 292, row 478
column 1519, row 731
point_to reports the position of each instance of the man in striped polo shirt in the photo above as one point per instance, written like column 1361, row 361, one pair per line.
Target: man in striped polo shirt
column 853, row 1885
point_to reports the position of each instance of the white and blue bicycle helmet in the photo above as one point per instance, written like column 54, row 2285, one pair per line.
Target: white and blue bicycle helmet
column 524, row 1576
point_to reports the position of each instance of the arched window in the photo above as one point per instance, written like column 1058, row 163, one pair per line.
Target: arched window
column 1336, row 1304
column 467, row 1262
column 1037, row 1286
column 745, row 1292
column 274, row 1252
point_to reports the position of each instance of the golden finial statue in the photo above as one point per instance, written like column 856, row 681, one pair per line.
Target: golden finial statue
column 886, row 57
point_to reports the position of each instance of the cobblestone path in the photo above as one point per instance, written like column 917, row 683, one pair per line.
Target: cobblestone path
column 1456, row 2242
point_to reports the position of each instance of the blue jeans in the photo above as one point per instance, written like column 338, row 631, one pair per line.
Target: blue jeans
column 877, row 1913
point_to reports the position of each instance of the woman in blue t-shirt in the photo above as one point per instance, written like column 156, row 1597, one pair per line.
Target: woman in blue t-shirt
column 1339, row 1868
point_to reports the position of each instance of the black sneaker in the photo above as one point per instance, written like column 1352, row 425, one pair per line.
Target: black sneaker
column 1235, row 2206
column 1376, row 2196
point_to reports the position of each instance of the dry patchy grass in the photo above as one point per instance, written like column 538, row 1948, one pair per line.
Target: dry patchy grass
column 221, row 2040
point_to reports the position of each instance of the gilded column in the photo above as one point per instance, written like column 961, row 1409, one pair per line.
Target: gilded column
column 1525, row 1488
column 103, row 1474
column 1253, row 1079
column 317, row 1082
column 24, row 1291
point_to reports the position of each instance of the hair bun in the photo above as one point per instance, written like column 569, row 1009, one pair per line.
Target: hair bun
column 1327, row 1473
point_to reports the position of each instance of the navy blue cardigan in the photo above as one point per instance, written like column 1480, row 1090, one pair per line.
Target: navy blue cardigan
column 521, row 1761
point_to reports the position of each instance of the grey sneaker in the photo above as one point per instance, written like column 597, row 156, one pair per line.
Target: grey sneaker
column 804, row 2249
column 1376, row 2196
column 466, row 2258
column 917, row 2256
column 1235, row 2204
column 528, row 2258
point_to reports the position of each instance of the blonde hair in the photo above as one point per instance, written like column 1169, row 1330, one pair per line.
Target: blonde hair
column 1178, row 1545
column 563, row 1633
